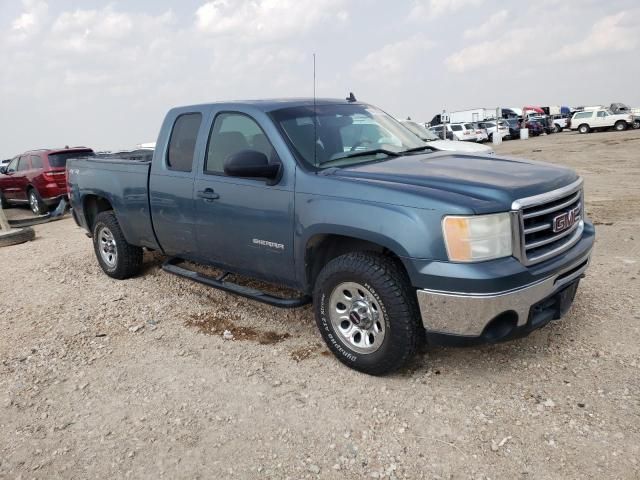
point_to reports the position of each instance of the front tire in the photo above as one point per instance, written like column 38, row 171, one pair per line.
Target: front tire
column 117, row 258
column 37, row 206
column 366, row 312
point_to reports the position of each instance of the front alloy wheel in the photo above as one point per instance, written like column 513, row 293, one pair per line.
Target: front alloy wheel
column 357, row 317
column 367, row 313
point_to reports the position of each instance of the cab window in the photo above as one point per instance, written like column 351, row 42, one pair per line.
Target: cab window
column 232, row 133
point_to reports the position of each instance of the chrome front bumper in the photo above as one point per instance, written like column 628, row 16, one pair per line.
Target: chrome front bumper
column 467, row 314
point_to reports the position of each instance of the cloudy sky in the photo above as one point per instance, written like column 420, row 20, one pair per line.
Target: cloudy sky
column 104, row 73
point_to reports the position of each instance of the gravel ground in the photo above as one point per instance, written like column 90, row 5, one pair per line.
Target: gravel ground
column 114, row 379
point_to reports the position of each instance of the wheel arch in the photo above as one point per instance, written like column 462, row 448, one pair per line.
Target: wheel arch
column 321, row 248
column 92, row 205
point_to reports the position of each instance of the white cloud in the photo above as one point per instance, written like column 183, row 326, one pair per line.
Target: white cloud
column 490, row 52
column 394, row 59
column 266, row 19
column 99, row 30
column 430, row 9
column 488, row 28
column 30, row 21
column 610, row 34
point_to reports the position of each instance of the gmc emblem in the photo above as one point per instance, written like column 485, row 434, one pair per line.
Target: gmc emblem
column 566, row 220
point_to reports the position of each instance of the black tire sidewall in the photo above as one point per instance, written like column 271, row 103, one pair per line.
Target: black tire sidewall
column 340, row 349
column 101, row 223
column 396, row 348
column 129, row 257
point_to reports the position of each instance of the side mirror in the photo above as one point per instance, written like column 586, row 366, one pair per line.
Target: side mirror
column 251, row 164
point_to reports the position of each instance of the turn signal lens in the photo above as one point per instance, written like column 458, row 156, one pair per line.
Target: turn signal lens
column 477, row 238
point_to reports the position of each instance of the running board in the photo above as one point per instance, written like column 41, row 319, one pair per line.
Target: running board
column 219, row 282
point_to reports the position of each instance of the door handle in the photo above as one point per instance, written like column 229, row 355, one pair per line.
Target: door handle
column 208, row 194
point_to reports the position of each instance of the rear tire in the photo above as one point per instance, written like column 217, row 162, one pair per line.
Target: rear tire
column 584, row 128
column 620, row 126
column 556, row 128
column 36, row 204
column 367, row 313
column 116, row 257
column 636, row 124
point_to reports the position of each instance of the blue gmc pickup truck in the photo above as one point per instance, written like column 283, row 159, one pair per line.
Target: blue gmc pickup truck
column 396, row 244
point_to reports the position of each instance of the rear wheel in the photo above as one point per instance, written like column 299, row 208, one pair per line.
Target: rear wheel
column 584, row 128
column 620, row 126
column 367, row 312
column 636, row 124
column 556, row 128
column 117, row 258
column 37, row 206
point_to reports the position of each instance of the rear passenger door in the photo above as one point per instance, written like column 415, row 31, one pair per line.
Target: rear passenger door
column 244, row 224
column 171, row 183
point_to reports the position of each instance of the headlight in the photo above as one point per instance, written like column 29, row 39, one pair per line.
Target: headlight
column 477, row 238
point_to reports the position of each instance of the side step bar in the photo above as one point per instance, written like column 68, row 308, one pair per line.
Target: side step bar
column 171, row 266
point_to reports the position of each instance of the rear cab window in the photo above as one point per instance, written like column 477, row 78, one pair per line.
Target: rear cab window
column 182, row 143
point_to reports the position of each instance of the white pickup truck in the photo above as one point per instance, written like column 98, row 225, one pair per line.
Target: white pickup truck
column 600, row 119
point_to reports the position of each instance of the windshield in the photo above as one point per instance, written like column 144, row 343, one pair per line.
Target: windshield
column 344, row 135
column 420, row 131
column 57, row 160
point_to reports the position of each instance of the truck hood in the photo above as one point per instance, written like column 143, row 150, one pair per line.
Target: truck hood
column 497, row 181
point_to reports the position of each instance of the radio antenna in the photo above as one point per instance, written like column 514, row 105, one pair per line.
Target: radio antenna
column 315, row 115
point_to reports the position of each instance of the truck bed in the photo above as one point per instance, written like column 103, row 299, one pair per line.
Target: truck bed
column 124, row 183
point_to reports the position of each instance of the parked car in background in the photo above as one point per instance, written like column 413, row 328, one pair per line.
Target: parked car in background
column 481, row 132
column 560, row 122
column 491, row 128
column 4, row 163
column 38, row 178
column 437, row 131
column 463, row 132
column 535, row 127
column 513, row 124
column 622, row 108
column 437, row 143
column 600, row 119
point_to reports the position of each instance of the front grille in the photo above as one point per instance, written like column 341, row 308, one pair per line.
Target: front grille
column 538, row 240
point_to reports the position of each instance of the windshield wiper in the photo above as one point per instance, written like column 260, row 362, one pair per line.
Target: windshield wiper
column 415, row 149
column 389, row 153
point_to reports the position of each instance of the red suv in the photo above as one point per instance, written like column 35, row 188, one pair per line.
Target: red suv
column 38, row 178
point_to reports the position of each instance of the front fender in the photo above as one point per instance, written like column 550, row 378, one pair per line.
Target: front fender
column 408, row 232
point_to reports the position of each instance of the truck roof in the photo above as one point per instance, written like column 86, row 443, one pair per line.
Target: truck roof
column 268, row 105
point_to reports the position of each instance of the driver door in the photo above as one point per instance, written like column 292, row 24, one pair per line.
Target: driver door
column 244, row 224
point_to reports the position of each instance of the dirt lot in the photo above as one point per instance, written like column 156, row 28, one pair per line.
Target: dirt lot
column 108, row 379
